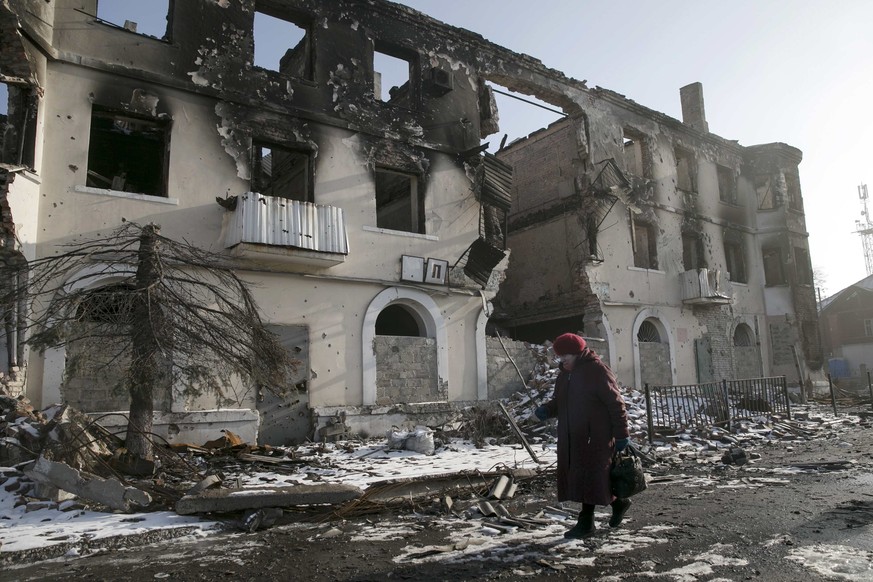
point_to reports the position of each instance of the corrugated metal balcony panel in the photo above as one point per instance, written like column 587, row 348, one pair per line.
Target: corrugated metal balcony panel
column 282, row 222
column 705, row 286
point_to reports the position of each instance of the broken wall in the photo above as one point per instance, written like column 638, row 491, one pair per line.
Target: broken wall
column 503, row 377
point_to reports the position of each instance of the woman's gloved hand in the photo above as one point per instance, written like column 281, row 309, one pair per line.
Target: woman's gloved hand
column 621, row 444
column 541, row 412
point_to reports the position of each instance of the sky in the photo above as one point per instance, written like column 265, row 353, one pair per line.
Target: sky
column 793, row 71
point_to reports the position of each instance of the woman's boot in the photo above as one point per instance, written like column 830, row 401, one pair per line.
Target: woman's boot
column 619, row 508
column 585, row 526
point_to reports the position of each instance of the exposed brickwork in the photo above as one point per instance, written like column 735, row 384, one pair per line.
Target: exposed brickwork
column 783, row 336
column 406, row 371
column 503, row 380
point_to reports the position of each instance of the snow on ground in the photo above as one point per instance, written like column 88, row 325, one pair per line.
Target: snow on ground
column 363, row 467
column 836, row 562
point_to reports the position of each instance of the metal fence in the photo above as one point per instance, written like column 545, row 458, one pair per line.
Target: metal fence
column 675, row 408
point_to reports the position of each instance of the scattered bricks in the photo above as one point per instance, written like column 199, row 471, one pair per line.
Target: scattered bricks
column 735, row 456
column 231, row 500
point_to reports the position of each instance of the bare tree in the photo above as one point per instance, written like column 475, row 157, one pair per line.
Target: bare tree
column 174, row 317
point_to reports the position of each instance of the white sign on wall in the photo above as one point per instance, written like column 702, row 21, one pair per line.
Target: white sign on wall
column 421, row 270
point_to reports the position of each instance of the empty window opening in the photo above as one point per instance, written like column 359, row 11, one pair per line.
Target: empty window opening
column 792, row 191
column 392, row 76
column 743, row 336
column 768, row 197
column 868, row 327
column 128, row 153
column 648, row 333
column 139, row 17
column 399, row 205
column 112, row 304
column 281, row 172
column 272, row 38
column 735, row 262
column 645, row 251
column 774, row 269
column 802, row 266
column 633, row 152
column 499, row 104
column 399, row 320
column 4, row 102
column 692, row 252
column 685, row 178
column 727, row 185
column 18, row 112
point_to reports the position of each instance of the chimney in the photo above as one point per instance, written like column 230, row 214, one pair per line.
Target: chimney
column 693, row 113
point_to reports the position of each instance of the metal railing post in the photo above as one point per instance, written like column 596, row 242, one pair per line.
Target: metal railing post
column 785, row 395
column 727, row 405
column 649, row 413
column 833, row 397
column 870, row 387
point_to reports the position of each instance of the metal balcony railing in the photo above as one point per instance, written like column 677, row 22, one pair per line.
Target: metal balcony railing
column 280, row 222
column 705, row 286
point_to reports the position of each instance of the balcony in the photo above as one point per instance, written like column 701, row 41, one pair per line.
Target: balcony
column 705, row 287
column 280, row 230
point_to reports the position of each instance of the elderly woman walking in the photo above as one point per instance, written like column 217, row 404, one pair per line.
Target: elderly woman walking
column 592, row 425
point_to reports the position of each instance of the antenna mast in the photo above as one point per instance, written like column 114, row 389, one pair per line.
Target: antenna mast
column 865, row 229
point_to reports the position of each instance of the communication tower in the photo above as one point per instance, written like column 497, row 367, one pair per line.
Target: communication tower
column 865, row 229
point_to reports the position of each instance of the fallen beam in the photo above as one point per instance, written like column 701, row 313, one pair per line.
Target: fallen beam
column 231, row 500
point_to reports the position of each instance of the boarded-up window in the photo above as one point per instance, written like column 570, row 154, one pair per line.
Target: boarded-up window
column 792, row 190
column 634, row 153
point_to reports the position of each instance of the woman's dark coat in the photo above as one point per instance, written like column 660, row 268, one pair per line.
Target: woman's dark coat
column 591, row 415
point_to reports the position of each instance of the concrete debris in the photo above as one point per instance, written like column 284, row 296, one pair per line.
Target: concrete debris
column 232, row 500
column 208, row 483
column 109, row 492
column 735, row 456
column 419, row 440
column 255, row 519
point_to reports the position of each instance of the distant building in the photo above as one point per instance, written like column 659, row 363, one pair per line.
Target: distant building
column 685, row 254
column 847, row 330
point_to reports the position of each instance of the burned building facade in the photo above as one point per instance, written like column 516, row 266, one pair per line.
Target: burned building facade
column 347, row 182
column 685, row 254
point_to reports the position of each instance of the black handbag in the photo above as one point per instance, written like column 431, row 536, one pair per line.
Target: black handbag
column 626, row 476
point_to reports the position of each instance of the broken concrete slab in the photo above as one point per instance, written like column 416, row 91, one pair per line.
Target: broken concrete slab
column 109, row 492
column 230, row 500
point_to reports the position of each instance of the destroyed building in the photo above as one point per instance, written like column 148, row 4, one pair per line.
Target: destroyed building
column 684, row 255
column 348, row 182
column 847, row 331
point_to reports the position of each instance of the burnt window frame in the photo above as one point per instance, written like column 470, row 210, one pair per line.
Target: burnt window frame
column 771, row 194
column 256, row 165
column 692, row 244
column 629, row 134
column 417, row 206
column 735, row 261
column 20, row 124
column 651, row 257
column 413, row 59
column 727, row 185
column 679, row 154
column 301, row 20
column 792, row 190
column 103, row 112
column 803, row 267
column 773, row 263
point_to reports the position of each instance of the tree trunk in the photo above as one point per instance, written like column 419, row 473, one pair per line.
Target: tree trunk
column 145, row 356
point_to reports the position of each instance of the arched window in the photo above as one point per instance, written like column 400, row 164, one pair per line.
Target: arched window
column 649, row 333
column 743, row 337
column 110, row 304
column 398, row 320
